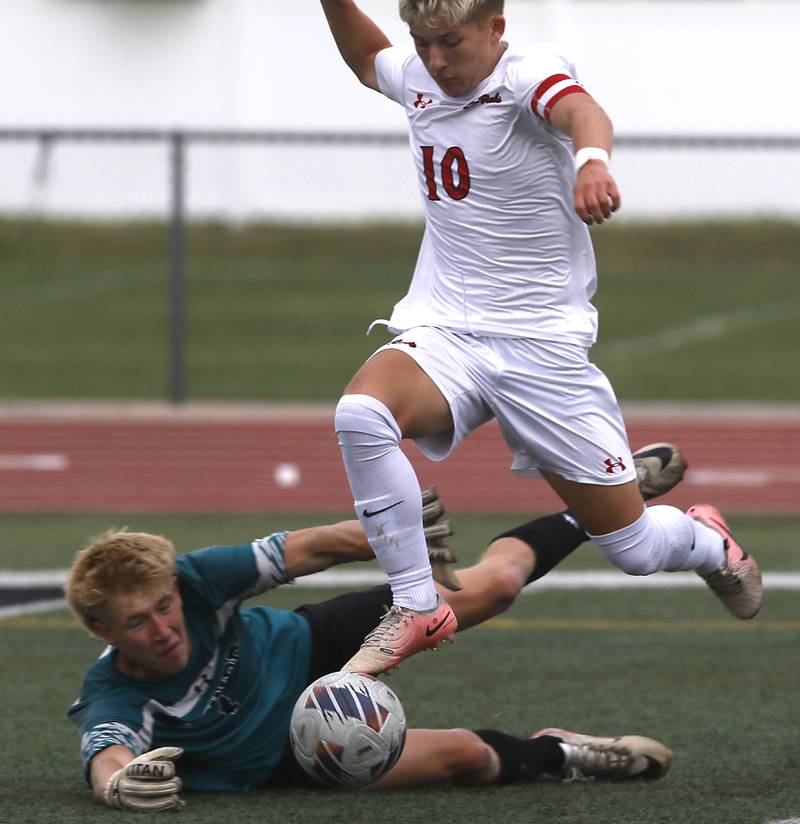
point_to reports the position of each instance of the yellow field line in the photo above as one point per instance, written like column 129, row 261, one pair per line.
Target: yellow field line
column 639, row 626
column 540, row 624
column 33, row 621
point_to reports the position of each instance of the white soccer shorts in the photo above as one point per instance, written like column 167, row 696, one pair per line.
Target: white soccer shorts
column 556, row 410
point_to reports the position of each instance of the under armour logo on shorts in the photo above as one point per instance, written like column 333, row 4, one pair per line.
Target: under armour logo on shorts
column 612, row 465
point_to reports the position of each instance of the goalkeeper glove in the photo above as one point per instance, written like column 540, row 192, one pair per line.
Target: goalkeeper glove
column 146, row 784
column 437, row 528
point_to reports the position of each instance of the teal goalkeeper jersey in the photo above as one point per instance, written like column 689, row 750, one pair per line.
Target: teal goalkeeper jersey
column 229, row 708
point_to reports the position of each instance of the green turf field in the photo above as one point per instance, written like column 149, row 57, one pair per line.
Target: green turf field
column 698, row 311
column 668, row 663
column 49, row 541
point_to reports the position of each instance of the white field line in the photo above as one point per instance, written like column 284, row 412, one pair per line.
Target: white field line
column 26, row 579
column 339, row 579
column 335, row 579
column 710, row 476
column 222, row 411
column 32, row 608
column 701, row 329
column 732, row 476
column 36, row 463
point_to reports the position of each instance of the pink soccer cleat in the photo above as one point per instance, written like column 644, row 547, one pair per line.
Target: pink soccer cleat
column 737, row 583
column 627, row 756
column 401, row 633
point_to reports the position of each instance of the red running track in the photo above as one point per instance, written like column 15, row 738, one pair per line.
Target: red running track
column 289, row 461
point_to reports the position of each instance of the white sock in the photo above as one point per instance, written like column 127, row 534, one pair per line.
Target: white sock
column 387, row 497
column 663, row 538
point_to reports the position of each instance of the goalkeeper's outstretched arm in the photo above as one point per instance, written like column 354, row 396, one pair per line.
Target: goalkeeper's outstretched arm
column 319, row 547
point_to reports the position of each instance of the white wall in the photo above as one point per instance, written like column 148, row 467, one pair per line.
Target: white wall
column 657, row 66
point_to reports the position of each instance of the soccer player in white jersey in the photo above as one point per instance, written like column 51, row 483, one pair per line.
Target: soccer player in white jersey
column 512, row 160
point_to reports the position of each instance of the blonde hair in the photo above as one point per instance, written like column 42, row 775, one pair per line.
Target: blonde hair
column 117, row 562
column 447, row 12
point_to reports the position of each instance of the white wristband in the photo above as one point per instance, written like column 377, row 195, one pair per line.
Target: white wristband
column 587, row 153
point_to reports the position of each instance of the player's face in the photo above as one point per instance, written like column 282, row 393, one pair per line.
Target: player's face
column 459, row 58
column 149, row 631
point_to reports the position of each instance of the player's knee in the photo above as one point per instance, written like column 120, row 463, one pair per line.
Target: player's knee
column 470, row 761
column 661, row 539
column 635, row 549
column 502, row 586
column 366, row 416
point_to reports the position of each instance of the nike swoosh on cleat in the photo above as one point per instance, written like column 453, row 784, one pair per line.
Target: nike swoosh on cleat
column 368, row 514
column 727, row 533
column 661, row 452
column 430, row 632
column 654, row 769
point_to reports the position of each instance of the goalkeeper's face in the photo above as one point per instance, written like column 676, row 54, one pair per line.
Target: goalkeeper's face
column 149, row 631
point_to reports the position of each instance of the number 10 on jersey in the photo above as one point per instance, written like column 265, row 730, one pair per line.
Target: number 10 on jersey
column 452, row 165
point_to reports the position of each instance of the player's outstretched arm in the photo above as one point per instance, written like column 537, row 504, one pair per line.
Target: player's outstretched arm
column 144, row 784
column 319, row 547
column 596, row 193
column 357, row 38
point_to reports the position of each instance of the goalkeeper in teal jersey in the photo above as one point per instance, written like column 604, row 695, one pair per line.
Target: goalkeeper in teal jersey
column 195, row 691
column 217, row 681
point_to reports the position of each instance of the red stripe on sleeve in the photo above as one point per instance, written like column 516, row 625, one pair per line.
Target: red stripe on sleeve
column 545, row 85
column 557, row 97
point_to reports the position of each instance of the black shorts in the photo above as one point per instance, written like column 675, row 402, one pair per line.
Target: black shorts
column 338, row 627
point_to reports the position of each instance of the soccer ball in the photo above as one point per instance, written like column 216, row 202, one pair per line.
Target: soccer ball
column 347, row 729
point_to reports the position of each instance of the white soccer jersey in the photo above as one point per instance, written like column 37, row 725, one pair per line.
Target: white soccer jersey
column 504, row 253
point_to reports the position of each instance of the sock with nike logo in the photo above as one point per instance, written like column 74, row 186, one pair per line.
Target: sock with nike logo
column 387, row 497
